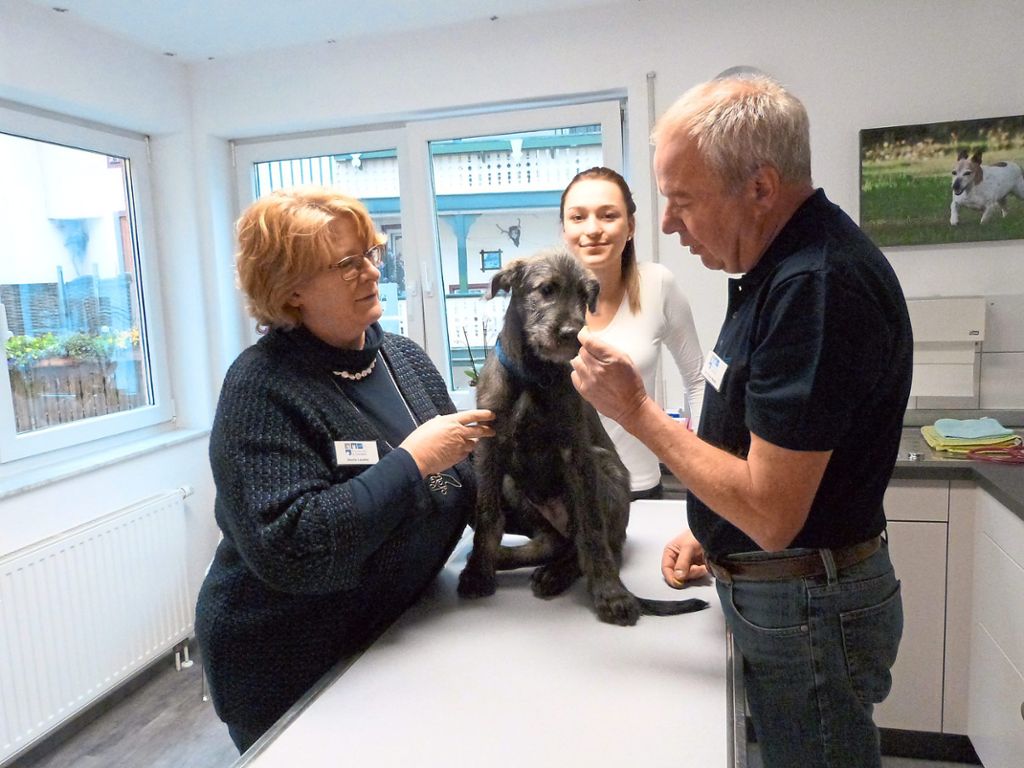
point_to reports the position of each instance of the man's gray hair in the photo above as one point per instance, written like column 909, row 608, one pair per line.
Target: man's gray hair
column 741, row 122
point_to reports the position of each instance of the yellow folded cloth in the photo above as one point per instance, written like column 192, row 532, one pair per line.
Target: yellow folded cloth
column 964, row 444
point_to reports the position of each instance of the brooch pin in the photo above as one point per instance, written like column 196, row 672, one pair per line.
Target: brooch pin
column 441, row 482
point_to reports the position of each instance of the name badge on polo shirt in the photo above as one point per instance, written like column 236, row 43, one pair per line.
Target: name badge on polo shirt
column 714, row 370
column 355, row 452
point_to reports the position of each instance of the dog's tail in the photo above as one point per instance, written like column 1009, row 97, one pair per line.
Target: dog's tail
column 650, row 607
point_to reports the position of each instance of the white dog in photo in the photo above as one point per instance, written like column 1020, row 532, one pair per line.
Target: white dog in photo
column 983, row 187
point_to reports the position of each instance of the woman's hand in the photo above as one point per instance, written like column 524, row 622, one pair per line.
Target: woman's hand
column 446, row 440
column 682, row 560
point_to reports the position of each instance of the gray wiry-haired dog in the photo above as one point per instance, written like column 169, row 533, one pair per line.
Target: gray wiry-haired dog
column 550, row 463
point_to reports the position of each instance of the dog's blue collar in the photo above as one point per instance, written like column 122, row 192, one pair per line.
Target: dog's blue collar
column 503, row 358
column 521, row 373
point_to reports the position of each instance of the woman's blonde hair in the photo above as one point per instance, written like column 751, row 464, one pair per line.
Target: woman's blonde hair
column 284, row 239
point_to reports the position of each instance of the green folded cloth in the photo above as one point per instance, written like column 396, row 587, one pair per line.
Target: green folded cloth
column 971, row 428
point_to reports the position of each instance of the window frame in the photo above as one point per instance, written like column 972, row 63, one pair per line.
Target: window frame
column 411, row 140
column 57, row 129
column 246, row 153
column 607, row 111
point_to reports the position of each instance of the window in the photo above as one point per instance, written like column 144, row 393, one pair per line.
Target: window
column 495, row 186
column 80, row 357
column 462, row 195
column 369, row 174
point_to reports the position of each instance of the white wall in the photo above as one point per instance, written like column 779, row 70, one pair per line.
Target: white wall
column 855, row 65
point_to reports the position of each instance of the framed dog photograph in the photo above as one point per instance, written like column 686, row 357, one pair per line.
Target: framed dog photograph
column 953, row 182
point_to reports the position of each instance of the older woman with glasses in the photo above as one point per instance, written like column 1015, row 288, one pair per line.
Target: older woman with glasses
column 340, row 464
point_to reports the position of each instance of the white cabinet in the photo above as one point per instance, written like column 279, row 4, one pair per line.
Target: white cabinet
column 917, row 513
column 963, row 500
column 995, row 713
column 959, row 554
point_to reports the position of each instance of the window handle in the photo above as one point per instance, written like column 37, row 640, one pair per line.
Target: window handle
column 428, row 283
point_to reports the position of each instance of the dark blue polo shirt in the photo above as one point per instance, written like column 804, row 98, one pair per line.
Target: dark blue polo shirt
column 819, row 351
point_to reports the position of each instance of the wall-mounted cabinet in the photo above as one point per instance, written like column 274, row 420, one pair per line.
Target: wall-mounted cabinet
column 946, row 336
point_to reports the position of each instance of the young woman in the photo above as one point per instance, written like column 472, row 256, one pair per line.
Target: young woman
column 640, row 307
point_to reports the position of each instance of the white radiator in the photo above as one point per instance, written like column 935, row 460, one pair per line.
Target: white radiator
column 83, row 611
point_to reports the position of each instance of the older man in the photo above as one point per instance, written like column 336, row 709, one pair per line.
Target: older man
column 806, row 390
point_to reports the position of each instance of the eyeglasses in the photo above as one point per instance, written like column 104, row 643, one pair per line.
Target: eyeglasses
column 350, row 267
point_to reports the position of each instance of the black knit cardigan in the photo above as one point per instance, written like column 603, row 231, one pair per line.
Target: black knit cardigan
column 302, row 577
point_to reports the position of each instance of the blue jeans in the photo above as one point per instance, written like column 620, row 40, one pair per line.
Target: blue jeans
column 816, row 659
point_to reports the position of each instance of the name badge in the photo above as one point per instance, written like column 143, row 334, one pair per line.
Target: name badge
column 353, row 452
column 714, row 370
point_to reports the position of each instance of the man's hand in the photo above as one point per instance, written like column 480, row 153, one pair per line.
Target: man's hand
column 682, row 561
column 607, row 378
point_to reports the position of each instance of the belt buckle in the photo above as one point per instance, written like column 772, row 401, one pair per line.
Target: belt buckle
column 719, row 572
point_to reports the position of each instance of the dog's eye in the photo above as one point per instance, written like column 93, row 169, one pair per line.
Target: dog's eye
column 547, row 289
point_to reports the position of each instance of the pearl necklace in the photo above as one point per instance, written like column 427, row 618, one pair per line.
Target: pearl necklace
column 358, row 374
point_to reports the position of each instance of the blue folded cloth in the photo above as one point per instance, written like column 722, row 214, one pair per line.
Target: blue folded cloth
column 971, row 428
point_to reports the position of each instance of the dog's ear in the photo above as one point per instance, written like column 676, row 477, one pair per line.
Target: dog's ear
column 962, row 155
column 593, row 288
column 506, row 278
column 976, row 157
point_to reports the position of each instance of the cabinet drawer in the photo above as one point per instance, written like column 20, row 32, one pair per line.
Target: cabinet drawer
column 999, row 579
column 995, row 720
column 917, row 500
column 1004, row 527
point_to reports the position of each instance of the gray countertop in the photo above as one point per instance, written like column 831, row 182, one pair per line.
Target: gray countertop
column 1004, row 481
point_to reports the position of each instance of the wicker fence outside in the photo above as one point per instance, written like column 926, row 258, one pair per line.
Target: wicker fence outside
column 63, row 390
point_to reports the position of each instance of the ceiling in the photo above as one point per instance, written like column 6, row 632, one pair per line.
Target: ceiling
column 198, row 30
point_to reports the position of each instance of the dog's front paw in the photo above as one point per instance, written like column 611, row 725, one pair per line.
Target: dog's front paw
column 473, row 583
column 617, row 608
column 554, row 578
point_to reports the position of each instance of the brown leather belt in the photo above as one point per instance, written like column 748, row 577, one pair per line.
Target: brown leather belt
column 795, row 567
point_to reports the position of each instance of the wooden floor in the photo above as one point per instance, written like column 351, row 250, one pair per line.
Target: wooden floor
column 157, row 720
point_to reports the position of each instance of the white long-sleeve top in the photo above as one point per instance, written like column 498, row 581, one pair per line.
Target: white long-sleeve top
column 664, row 318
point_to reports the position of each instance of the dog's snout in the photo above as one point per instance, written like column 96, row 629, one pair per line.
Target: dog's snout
column 568, row 333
